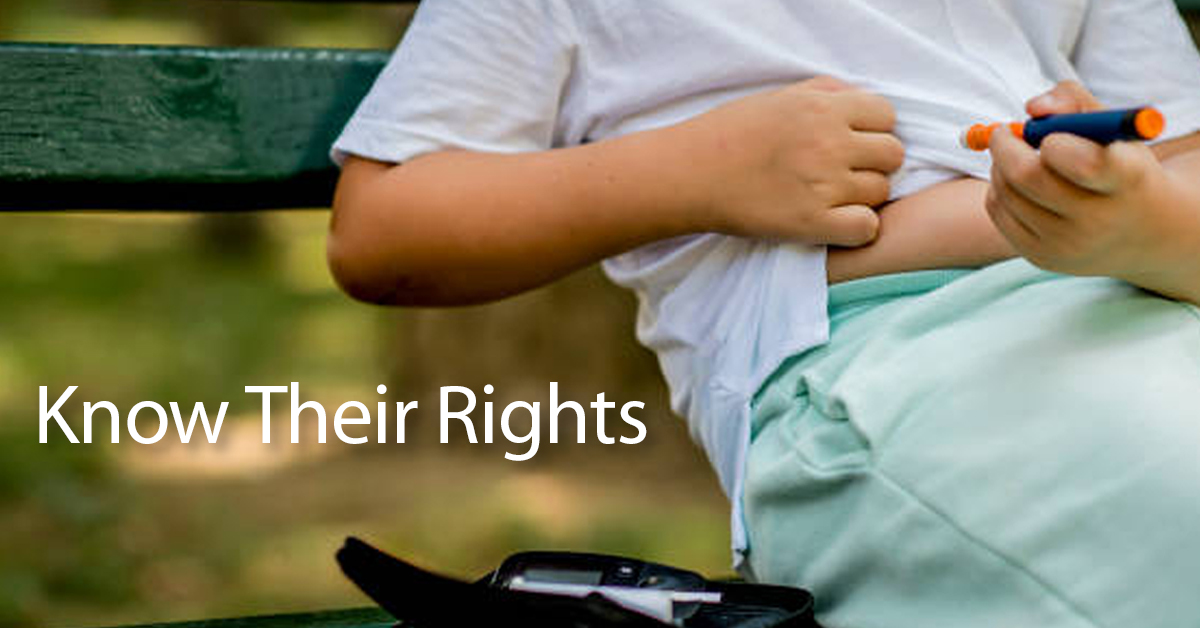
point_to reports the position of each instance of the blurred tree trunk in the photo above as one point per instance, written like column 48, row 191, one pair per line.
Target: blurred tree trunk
column 239, row 237
column 104, row 8
column 8, row 11
column 578, row 332
column 237, row 23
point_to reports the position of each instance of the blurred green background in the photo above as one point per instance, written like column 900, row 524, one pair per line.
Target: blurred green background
column 188, row 308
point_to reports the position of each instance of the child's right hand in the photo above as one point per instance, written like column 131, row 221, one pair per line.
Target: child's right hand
column 807, row 162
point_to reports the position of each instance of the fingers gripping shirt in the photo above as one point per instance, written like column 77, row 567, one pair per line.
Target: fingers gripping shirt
column 722, row 312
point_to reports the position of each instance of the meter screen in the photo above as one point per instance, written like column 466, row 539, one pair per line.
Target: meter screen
column 562, row 576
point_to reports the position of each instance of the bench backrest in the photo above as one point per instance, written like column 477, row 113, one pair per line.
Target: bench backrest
column 164, row 127
column 131, row 127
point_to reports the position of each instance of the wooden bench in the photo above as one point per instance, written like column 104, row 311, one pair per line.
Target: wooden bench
column 184, row 128
column 178, row 128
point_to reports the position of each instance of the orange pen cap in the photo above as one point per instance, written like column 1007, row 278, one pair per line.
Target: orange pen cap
column 979, row 136
column 1149, row 123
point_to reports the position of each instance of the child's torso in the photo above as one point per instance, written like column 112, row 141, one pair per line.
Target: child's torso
column 722, row 311
column 944, row 64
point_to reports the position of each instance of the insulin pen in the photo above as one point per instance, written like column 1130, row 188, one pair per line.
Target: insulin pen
column 1102, row 127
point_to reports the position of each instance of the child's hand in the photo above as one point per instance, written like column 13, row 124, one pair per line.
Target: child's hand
column 1066, row 97
column 807, row 162
column 1081, row 208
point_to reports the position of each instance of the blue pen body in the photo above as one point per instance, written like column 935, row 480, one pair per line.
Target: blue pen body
column 1102, row 127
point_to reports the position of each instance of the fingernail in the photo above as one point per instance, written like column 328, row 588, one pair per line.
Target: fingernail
column 1045, row 101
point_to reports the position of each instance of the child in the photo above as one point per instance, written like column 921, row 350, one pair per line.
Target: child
column 921, row 443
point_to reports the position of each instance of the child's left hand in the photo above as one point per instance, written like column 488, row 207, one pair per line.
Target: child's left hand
column 1081, row 208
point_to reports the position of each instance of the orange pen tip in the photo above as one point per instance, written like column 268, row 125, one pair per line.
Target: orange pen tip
column 1149, row 123
column 979, row 136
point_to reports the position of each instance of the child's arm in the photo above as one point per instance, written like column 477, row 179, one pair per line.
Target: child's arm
column 944, row 226
column 802, row 163
column 1126, row 210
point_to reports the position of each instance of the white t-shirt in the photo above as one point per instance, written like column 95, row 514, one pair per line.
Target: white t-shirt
column 723, row 312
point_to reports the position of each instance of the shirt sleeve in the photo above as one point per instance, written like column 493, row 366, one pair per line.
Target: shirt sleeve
column 1139, row 52
column 468, row 74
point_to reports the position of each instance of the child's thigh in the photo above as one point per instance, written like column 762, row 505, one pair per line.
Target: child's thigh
column 1029, row 451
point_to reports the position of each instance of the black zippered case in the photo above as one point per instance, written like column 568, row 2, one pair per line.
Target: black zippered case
column 423, row 599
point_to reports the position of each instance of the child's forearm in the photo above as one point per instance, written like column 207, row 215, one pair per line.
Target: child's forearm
column 461, row 227
column 945, row 226
column 1178, row 276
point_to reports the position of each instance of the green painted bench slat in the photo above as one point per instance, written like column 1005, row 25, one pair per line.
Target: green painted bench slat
column 135, row 127
column 353, row 618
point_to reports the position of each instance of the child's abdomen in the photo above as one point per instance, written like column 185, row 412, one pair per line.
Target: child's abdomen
column 944, row 226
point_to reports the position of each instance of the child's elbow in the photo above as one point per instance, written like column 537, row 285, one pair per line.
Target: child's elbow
column 365, row 269
column 390, row 280
column 352, row 273
column 380, row 249
column 362, row 263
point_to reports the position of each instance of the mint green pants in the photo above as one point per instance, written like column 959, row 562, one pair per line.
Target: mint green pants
column 1007, row 448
